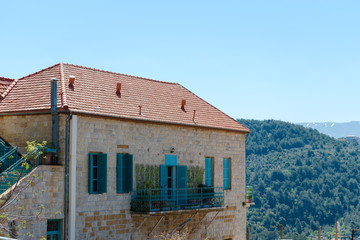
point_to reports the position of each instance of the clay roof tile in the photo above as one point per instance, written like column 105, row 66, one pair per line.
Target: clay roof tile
column 94, row 92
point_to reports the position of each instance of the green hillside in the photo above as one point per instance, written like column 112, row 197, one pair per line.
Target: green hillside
column 301, row 178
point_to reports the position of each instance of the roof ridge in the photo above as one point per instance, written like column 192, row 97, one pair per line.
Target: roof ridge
column 44, row 69
column 128, row 75
column 12, row 85
column 63, row 87
column 212, row 106
column 8, row 89
column 6, row 79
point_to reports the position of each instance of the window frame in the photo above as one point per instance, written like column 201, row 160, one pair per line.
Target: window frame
column 52, row 233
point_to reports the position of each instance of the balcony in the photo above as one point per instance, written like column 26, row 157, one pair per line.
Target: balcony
column 172, row 199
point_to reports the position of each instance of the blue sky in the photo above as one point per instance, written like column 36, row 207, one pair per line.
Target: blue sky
column 294, row 60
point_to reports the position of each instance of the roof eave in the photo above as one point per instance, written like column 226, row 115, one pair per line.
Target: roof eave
column 157, row 121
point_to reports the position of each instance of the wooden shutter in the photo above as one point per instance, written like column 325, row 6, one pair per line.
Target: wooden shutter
column 181, row 176
column 90, row 171
column 163, row 176
column 181, row 184
column 128, row 173
column 208, row 172
column 226, row 173
column 163, row 182
column 119, row 173
column 102, row 172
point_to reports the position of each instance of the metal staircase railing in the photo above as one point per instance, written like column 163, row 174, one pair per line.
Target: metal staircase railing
column 2, row 142
column 8, row 159
column 20, row 168
column 3, row 147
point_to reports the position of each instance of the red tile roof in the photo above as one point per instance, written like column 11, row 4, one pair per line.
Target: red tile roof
column 94, row 92
column 4, row 84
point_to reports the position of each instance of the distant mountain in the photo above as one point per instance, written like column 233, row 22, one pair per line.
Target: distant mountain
column 336, row 130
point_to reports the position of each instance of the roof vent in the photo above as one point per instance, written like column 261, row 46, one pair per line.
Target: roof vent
column 118, row 88
column 183, row 103
column 71, row 79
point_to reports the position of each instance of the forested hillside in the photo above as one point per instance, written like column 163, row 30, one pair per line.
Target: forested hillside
column 301, row 178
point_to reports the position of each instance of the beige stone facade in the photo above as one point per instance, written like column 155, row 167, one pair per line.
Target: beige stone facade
column 39, row 197
column 108, row 215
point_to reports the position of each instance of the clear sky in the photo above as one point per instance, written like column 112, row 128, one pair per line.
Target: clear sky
column 292, row 60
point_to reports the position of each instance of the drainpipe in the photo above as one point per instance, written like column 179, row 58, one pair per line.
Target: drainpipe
column 66, row 207
column 54, row 116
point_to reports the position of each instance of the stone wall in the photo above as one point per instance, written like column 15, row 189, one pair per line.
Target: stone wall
column 107, row 216
column 21, row 128
column 38, row 201
column 18, row 129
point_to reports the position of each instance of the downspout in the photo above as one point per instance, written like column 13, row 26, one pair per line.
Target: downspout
column 66, row 207
column 54, row 116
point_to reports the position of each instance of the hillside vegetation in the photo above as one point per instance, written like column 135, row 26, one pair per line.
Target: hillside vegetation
column 302, row 179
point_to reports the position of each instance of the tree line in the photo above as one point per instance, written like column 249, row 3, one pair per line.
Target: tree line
column 301, row 178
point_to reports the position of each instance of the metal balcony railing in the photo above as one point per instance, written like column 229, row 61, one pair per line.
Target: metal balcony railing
column 171, row 199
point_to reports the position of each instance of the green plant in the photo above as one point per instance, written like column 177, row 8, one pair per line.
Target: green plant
column 147, row 176
column 249, row 194
column 32, row 145
column 195, row 176
column 34, row 155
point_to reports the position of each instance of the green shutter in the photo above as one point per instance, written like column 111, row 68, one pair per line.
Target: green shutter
column 208, row 172
column 119, row 173
column 90, row 171
column 163, row 181
column 163, row 176
column 102, row 172
column 128, row 176
column 181, row 176
column 181, row 184
column 226, row 173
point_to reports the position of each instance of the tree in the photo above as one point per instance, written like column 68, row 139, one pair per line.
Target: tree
column 13, row 178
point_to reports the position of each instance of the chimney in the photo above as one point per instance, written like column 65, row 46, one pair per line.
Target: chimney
column 118, row 88
column 71, row 80
column 183, row 103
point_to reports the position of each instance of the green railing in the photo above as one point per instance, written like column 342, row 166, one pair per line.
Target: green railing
column 4, row 149
column 14, row 172
column 170, row 199
column 9, row 158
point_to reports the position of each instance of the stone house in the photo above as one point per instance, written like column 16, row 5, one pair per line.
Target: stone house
column 129, row 157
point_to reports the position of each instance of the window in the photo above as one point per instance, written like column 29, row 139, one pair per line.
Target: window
column 209, row 172
column 97, row 173
column 124, row 173
column 227, row 173
column 53, row 229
